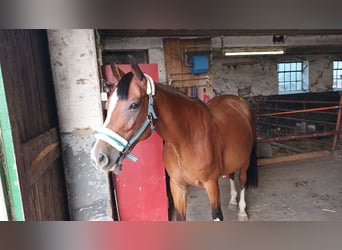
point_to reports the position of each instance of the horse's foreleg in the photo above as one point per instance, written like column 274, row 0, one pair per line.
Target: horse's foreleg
column 233, row 193
column 213, row 191
column 179, row 199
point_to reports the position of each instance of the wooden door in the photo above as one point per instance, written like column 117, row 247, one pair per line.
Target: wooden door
column 25, row 64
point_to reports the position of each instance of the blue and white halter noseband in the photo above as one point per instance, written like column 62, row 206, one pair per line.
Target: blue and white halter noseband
column 120, row 143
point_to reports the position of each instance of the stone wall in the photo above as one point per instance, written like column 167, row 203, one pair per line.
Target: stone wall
column 247, row 76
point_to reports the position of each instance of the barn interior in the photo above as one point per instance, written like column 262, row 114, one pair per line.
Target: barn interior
column 295, row 90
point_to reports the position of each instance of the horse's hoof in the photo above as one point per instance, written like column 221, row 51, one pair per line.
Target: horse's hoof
column 243, row 217
column 232, row 206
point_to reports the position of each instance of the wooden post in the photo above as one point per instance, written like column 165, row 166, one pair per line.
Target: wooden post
column 77, row 87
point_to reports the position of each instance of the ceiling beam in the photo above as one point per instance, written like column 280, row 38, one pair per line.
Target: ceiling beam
column 210, row 33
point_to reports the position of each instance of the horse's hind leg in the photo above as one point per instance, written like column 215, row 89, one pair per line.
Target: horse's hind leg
column 233, row 193
column 179, row 199
column 242, row 203
column 242, row 206
column 213, row 191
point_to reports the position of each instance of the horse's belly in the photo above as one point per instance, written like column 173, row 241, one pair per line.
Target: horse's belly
column 236, row 157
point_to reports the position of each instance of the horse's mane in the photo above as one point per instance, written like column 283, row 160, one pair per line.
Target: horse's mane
column 123, row 85
column 125, row 81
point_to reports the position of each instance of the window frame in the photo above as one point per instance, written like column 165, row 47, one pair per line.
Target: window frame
column 337, row 76
column 294, row 75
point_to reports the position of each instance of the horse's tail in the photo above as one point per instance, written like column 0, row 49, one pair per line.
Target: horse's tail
column 252, row 171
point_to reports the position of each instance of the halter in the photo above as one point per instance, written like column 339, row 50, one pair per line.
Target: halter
column 120, row 143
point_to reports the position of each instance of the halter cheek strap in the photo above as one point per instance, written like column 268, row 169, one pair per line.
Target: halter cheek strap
column 120, row 143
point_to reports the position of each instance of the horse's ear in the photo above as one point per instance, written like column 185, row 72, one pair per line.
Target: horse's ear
column 135, row 68
column 117, row 72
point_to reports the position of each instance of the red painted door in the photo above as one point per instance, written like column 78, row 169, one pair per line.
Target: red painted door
column 141, row 185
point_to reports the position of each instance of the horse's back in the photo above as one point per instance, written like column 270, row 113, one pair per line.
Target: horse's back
column 229, row 106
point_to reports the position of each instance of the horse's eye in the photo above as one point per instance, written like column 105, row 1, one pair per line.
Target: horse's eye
column 134, row 105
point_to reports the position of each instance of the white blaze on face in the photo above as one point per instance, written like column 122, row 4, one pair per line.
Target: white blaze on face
column 113, row 100
column 112, row 103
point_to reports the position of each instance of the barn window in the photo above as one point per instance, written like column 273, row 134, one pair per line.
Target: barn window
column 337, row 75
column 292, row 77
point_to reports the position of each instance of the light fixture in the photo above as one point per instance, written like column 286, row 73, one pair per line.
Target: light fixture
column 252, row 52
column 278, row 39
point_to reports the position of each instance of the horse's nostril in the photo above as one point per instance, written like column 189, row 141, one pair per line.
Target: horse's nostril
column 103, row 160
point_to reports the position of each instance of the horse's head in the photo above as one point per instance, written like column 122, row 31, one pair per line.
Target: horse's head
column 129, row 118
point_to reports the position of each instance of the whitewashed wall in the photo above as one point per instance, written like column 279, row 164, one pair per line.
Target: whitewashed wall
column 154, row 45
column 260, row 74
column 254, row 76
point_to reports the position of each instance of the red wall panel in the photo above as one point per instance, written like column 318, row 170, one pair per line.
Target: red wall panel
column 141, row 185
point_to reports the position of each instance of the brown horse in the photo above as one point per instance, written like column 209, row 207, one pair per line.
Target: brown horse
column 202, row 142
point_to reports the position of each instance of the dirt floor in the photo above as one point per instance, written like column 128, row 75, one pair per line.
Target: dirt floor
column 307, row 190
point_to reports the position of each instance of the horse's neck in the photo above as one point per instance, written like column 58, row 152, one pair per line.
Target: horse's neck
column 176, row 114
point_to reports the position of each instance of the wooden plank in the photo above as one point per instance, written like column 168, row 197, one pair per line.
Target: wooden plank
column 295, row 157
column 44, row 161
column 35, row 146
column 39, row 154
column 179, row 73
column 45, row 189
column 46, row 197
column 31, row 213
column 60, row 204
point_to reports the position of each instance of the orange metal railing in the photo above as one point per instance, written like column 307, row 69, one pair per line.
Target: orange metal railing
column 280, row 120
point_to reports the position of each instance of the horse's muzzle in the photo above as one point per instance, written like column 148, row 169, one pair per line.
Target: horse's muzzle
column 103, row 161
column 106, row 158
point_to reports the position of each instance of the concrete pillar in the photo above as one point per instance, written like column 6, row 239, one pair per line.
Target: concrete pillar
column 76, row 79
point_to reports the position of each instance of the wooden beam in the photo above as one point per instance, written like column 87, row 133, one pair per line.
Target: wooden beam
column 295, row 157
